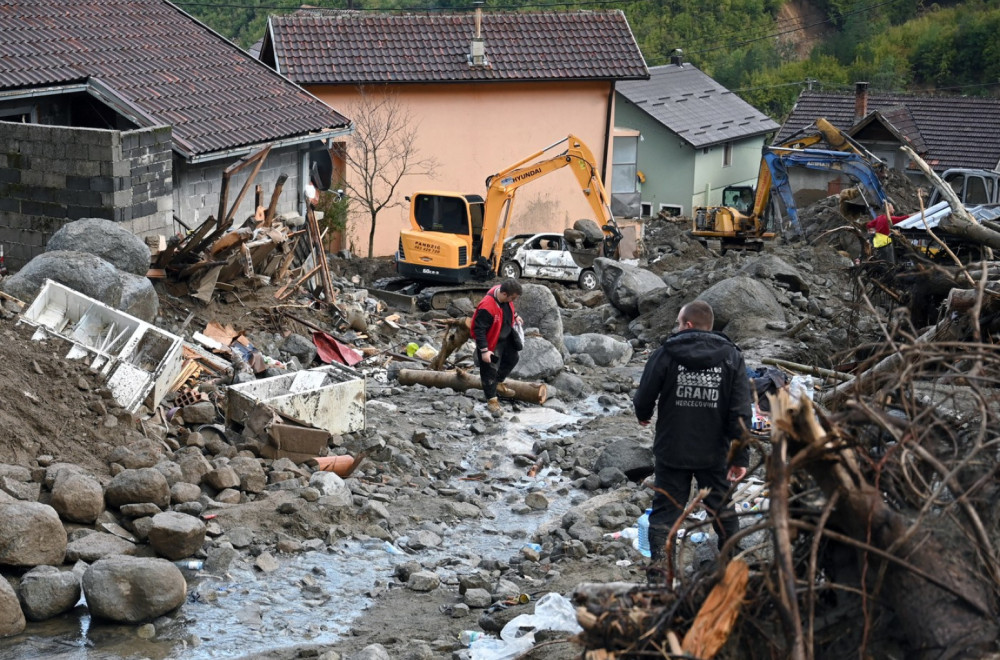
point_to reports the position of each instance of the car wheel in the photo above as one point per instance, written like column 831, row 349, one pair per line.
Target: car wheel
column 510, row 270
column 588, row 280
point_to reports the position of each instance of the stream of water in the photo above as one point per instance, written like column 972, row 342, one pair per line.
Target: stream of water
column 315, row 596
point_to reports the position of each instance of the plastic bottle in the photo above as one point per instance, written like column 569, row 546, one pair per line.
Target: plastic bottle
column 644, row 534
column 469, row 636
column 190, row 564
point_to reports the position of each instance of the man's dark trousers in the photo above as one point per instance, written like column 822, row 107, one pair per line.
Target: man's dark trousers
column 677, row 483
column 504, row 360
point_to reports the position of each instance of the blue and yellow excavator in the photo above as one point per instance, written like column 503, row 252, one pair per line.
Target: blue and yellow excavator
column 745, row 224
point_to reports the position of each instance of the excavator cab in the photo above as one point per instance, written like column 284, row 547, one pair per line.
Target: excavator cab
column 445, row 235
column 739, row 198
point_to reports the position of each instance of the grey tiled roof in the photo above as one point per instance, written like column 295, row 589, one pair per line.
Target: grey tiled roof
column 362, row 47
column 695, row 107
column 948, row 131
column 161, row 63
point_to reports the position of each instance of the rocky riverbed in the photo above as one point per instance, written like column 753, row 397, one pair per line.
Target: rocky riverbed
column 447, row 520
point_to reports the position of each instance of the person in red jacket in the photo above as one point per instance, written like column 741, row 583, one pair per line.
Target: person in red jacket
column 497, row 344
column 880, row 229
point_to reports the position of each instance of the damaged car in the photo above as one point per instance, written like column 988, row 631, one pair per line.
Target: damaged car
column 548, row 256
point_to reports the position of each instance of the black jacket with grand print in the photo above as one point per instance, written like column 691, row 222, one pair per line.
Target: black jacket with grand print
column 701, row 382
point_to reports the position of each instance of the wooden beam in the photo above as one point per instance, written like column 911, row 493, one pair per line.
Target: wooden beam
column 273, row 206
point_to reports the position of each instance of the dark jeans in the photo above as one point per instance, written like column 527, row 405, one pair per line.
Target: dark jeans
column 677, row 483
column 496, row 371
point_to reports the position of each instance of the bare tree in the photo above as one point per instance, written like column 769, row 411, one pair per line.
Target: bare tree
column 381, row 151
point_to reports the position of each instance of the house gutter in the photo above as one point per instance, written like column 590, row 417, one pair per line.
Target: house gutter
column 608, row 120
column 36, row 92
column 326, row 134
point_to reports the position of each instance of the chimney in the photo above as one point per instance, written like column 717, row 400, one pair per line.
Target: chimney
column 677, row 58
column 477, row 50
column 860, row 101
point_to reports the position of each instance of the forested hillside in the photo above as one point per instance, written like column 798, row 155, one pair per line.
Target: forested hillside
column 766, row 50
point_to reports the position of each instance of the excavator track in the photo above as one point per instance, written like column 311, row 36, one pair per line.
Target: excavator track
column 412, row 295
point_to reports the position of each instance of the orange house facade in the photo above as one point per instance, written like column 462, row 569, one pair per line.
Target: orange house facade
column 536, row 82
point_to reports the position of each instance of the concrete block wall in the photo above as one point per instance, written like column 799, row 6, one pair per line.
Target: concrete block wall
column 52, row 175
column 197, row 187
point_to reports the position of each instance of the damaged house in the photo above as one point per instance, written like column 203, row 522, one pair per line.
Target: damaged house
column 131, row 110
column 946, row 131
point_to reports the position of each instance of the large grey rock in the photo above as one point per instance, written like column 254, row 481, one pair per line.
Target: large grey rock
column 82, row 272
column 423, row 581
column 767, row 266
column 96, row 546
column 105, row 239
column 194, row 466
column 333, row 491
column 133, row 589
column 539, row 309
column 138, row 486
column 252, row 476
column 138, row 296
column 45, row 592
column 624, row 284
column 31, row 534
column 11, row 617
column 741, row 297
column 300, row 347
column 606, row 351
column 539, row 360
column 176, row 535
column 222, row 477
column 570, row 386
column 632, row 458
column 78, row 497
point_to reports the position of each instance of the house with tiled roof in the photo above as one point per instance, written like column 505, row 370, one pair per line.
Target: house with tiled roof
column 945, row 131
column 484, row 91
column 130, row 110
column 693, row 137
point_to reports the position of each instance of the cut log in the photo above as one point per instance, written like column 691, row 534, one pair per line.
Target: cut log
column 460, row 381
column 718, row 613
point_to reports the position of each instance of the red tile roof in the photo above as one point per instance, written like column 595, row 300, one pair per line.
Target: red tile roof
column 954, row 131
column 362, row 47
column 161, row 62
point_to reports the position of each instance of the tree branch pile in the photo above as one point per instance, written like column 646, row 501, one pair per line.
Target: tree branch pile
column 882, row 531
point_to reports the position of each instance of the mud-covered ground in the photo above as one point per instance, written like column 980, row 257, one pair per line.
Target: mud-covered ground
column 434, row 451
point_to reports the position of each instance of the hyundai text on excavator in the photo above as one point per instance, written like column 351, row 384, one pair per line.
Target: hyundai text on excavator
column 455, row 241
column 744, row 224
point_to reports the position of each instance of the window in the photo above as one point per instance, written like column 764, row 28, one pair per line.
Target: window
column 673, row 210
column 21, row 115
column 646, row 209
column 727, row 154
column 623, row 169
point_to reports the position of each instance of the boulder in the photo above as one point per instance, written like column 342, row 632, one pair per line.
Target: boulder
column 138, row 486
column 624, row 284
column 194, row 466
column 45, row 592
column 606, row 351
column 31, row 534
column 96, row 546
column 182, row 492
column 222, row 478
column 539, row 360
column 133, row 589
column 252, row 476
column 570, row 386
column 767, row 266
column 78, row 497
column 333, row 491
column 105, row 239
column 138, row 297
column 741, row 297
column 11, row 617
column 82, row 272
column 632, row 458
column 539, row 309
column 298, row 346
column 176, row 535
column 202, row 412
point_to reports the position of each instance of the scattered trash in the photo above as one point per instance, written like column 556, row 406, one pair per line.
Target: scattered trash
column 190, row 564
column 467, row 637
column 642, row 542
column 698, row 537
column 552, row 612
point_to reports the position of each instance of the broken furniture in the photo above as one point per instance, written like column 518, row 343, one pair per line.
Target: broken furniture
column 307, row 407
column 139, row 361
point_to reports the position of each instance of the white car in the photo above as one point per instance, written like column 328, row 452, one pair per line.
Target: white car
column 547, row 256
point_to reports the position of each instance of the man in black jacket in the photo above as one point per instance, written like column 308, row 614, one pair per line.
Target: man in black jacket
column 700, row 381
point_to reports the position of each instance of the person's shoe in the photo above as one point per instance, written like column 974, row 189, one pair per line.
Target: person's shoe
column 494, row 407
column 503, row 390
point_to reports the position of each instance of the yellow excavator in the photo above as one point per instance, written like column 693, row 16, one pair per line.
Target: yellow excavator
column 746, row 216
column 456, row 240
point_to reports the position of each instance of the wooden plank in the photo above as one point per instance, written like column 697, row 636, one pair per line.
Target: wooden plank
column 273, row 206
column 286, row 291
